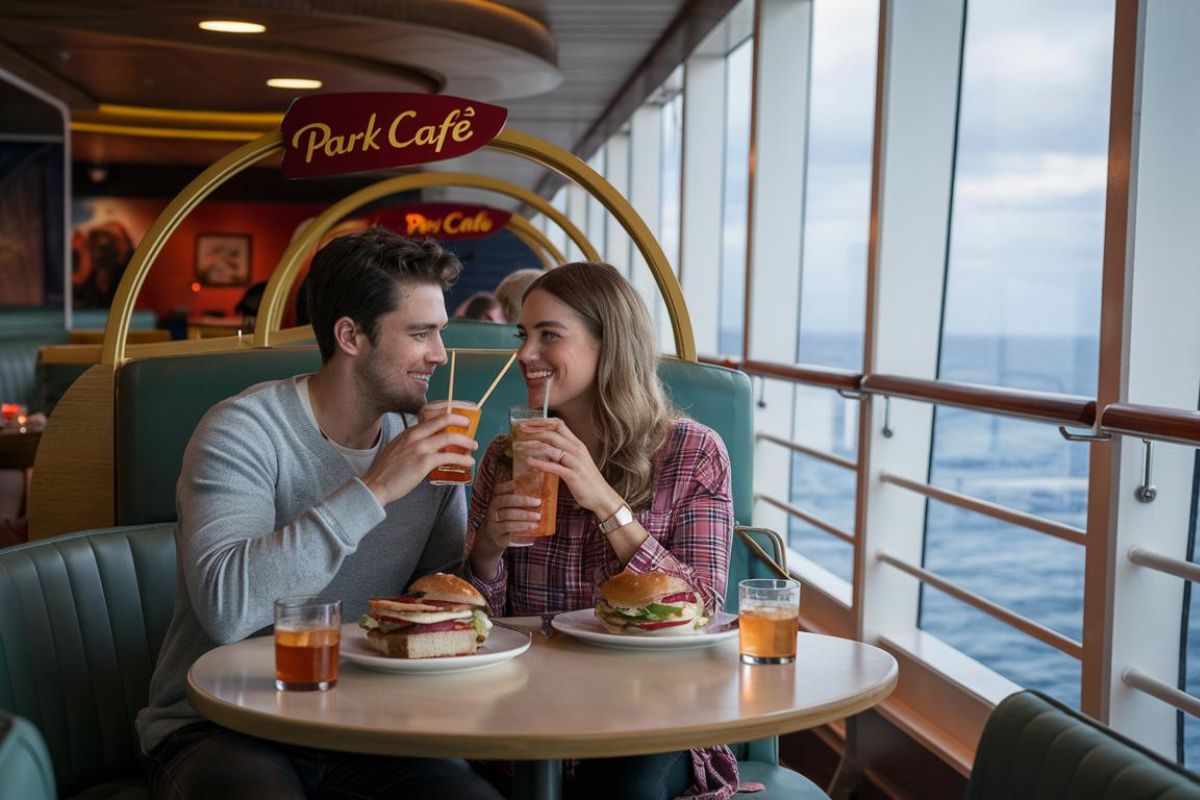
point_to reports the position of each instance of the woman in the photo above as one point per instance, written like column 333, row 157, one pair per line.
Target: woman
column 614, row 442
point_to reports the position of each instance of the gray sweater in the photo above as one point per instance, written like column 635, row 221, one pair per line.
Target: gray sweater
column 267, row 508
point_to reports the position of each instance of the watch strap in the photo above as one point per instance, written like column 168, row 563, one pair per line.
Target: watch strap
column 620, row 518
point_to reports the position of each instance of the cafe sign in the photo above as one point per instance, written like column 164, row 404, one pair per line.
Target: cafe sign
column 332, row 134
column 443, row 220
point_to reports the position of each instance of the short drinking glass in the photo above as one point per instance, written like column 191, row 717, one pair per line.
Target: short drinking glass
column 307, row 634
column 768, row 618
column 530, row 481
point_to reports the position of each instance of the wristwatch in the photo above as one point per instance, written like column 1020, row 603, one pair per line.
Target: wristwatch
column 620, row 518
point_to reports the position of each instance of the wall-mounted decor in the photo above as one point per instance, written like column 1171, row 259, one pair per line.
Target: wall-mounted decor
column 223, row 259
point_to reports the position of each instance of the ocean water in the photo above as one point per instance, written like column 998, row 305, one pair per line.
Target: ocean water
column 1019, row 464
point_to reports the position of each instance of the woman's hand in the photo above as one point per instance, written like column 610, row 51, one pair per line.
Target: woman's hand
column 508, row 513
column 553, row 448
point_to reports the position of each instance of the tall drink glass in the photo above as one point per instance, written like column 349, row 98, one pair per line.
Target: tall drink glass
column 532, row 482
column 307, row 635
column 768, row 618
column 453, row 474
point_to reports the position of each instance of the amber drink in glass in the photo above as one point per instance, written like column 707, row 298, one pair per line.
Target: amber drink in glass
column 768, row 618
column 307, row 635
column 532, row 482
column 448, row 474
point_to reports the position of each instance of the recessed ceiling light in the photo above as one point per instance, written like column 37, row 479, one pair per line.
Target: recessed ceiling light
column 294, row 83
column 231, row 26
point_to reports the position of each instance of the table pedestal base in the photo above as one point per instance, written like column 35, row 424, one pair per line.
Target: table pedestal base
column 539, row 780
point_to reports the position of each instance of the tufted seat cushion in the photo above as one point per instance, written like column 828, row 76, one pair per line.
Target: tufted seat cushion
column 24, row 763
column 84, row 617
column 1035, row 748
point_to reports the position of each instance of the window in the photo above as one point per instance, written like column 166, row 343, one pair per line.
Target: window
column 735, row 194
column 1021, row 310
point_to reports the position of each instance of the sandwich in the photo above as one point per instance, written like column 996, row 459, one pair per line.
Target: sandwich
column 441, row 615
column 649, row 604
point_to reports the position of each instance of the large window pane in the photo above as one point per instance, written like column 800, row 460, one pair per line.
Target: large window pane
column 735, row 194
column 1021, row 310
column 837, row 202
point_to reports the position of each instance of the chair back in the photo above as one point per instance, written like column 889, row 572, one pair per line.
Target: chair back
column 1035, row 748
column 24, row 762
column 84, row 618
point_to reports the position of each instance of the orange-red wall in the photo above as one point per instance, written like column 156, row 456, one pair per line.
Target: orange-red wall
column 169, row 283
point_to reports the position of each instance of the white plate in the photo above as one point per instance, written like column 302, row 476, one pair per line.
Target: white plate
column 502, row 644
column 582, row 624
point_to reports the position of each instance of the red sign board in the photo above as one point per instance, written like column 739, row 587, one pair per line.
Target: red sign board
column 332, row 134
column 443, row 220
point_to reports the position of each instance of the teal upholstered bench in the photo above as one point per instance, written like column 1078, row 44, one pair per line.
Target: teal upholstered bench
column 1035, row 748
column 25, row 769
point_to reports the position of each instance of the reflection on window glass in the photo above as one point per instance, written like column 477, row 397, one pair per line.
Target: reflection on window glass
column 595, row 211
column 1021, row 310
column 736, row 192
column 837, row 201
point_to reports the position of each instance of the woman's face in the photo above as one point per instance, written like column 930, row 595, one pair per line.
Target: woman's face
column 558, row 346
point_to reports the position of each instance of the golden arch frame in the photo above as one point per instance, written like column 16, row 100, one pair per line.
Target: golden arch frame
column 514, row 142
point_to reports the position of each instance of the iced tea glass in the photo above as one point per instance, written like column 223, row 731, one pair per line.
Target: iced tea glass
column 532, row 482
column 453, row 474
column 308, row 631
column 768, row 618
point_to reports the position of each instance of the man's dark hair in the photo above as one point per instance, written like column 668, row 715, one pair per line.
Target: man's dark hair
column 356, row 276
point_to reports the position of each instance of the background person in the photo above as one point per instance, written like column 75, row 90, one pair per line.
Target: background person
column 482, row 307
column 511, row 290
column 315, row 485
column 615, row 443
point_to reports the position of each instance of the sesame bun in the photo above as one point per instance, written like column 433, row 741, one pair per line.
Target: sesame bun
column 447, row 588
column 631, row 590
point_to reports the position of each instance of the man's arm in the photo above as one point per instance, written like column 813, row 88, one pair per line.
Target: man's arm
column 443, row 551
column 235, row 560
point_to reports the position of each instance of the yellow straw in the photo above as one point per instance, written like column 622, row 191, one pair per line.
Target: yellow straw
column 488, row 393
column 450, row 391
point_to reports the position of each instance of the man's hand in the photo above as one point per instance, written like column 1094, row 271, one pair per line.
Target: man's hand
column 412, row 455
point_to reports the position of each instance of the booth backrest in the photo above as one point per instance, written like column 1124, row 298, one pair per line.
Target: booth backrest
column 28, row 773
column 83, row 618
column 160, row 401
column 1035, row 748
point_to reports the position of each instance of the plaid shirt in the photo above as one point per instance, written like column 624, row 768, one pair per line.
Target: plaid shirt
column 690, row 522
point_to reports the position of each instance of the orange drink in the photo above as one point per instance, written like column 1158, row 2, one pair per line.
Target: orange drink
column 307, row 637
column 532, row 482
column 448, row 474
column 769, row 616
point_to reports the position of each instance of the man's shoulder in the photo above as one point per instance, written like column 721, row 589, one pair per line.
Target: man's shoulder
column 264, row 405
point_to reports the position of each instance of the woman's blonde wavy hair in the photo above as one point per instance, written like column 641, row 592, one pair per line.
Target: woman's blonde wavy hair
column 632, row 414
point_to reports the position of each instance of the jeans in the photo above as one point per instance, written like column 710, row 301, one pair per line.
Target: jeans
column 205, row 761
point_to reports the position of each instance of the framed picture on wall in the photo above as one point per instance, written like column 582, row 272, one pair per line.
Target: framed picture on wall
column 223, row 259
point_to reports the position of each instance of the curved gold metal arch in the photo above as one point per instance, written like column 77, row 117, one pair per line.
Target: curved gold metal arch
column 274, row 299
column 524, row 145
column 535, row 240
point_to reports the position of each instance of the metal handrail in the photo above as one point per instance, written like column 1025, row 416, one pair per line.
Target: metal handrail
column 1162, row 691
column 1160, row 563
column 820, row 455
column 1060, row 530
column 1035, row 629
column 801, row 514
column 1060, row 409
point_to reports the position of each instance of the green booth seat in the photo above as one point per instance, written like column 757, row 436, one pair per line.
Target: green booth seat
column 1035, row 748
column 25, row 769
column 84, row 618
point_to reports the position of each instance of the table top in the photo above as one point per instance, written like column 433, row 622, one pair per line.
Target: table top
column 561, row 699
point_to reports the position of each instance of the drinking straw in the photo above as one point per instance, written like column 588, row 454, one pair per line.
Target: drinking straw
column 450, row 391
column 503, row 370
column 546, row 398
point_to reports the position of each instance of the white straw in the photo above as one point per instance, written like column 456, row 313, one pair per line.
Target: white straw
column 546, row 398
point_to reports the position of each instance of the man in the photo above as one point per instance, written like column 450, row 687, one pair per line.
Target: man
column 315, row 485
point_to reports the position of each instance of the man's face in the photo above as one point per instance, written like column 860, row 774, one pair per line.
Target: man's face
column 395, row 371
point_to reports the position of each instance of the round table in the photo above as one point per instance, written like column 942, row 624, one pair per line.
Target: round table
column 561, row 699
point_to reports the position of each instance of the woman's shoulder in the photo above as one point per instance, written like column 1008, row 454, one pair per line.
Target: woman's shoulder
column 690, row 440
